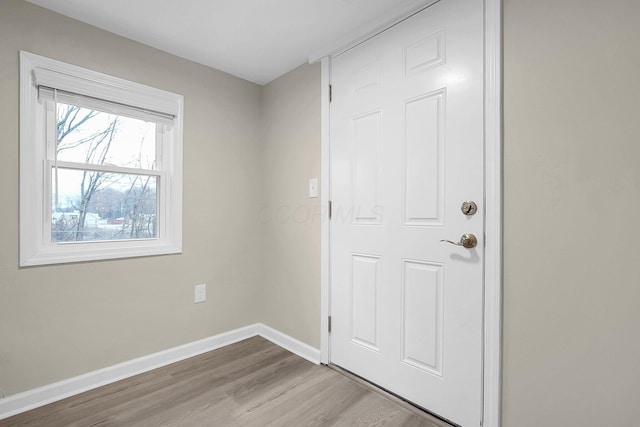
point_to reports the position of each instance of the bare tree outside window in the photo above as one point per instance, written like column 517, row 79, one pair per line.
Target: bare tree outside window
column 90, row 201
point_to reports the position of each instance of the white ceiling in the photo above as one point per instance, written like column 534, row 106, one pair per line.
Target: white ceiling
column 257, row 40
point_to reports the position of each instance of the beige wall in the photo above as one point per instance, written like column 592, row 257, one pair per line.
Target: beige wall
column 571, row 194
column 64, row 320
column 291, row 126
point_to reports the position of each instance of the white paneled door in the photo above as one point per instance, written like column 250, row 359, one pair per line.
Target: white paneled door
column 406, row 153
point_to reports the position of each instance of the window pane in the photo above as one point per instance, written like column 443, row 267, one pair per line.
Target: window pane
column 95, row 206
column 98, row 138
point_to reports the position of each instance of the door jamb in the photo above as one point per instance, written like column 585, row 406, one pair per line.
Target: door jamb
column 492, row 334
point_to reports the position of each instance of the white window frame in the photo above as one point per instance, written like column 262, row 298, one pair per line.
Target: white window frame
column 36, row 247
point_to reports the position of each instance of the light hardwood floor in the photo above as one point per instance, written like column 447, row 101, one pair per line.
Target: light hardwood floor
column 250, row 383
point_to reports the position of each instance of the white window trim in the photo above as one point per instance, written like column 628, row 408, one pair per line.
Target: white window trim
column 35, row 244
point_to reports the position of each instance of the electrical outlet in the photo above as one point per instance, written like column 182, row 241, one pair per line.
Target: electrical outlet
column 201, row 293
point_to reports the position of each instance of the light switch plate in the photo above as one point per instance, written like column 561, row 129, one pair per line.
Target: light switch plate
column 313, row 187
column 201, row 293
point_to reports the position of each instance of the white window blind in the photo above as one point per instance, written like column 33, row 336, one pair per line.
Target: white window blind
column 100, row 86
column 60, row 95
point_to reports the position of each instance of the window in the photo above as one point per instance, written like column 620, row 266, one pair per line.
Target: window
column 100, row 166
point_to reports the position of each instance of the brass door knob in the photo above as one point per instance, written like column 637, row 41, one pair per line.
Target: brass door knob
column 467, row 240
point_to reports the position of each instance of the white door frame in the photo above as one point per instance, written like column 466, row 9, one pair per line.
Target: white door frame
column 493, row 216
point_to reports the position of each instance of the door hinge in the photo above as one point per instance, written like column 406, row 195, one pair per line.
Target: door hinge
column 330, row 209
column 330, row 93
column 329, row 324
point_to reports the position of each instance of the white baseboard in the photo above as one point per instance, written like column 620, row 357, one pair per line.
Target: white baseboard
column 50, row 393
column 293, row 345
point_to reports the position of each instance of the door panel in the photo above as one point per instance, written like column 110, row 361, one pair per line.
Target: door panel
column 423, row 156
column 365, row 304
column 366, row 144
column 406, row 151
column 422, row 315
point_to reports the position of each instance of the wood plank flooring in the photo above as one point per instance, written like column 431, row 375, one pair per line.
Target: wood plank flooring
column 250, row 383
